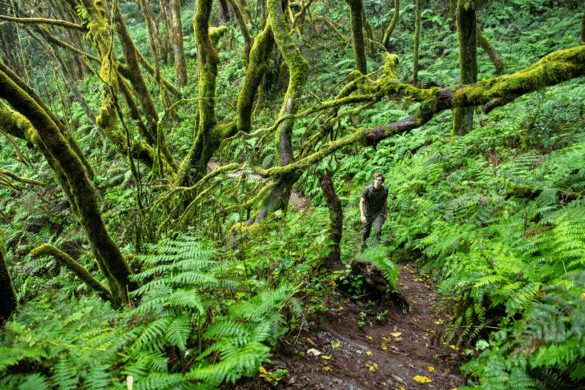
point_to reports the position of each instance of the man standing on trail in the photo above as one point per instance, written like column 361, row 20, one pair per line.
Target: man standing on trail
column 374, row 208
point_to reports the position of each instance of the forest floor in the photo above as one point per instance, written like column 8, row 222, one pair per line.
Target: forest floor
column 352, row 345
column 381, row 346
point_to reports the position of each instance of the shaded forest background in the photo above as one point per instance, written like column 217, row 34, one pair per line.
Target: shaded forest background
column 125, row 255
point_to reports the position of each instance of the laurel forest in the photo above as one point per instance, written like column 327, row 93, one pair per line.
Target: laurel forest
column 180, row 180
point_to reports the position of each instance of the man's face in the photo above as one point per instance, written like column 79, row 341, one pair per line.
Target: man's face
column 378, row 182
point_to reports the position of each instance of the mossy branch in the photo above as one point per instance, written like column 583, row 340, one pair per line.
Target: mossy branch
column 64, row 259
column 151, row 71
column 390, row 29
column 21, row 179
column 487, row 46
column 552, row 69
column 331, row 25
column 57, row 42
column 53, row 22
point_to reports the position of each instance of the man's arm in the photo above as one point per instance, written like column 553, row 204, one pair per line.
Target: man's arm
column 362, row 210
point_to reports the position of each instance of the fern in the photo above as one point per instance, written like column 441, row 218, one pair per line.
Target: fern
column 379, row 256
column 64, row 377
column 97, row 377
column 182, row 285
column 35, row 382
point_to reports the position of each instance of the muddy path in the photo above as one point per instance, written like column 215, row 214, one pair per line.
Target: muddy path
column 351, row 345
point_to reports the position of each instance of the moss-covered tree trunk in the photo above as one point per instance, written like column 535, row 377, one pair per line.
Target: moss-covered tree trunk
column 418, row 8
column 177, row 38
column 8, row 298
column 335, row 226
column 392, row 26
column 298, row 69
column 72, row 176
column 466, row 22
column 208, row 133
column 356, row 8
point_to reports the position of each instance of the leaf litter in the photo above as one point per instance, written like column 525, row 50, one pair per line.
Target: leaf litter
column 402, row 352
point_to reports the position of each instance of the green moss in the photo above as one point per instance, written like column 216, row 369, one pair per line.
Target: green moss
column 390, row 66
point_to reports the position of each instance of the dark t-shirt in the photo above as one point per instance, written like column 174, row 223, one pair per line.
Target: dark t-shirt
column 374, row 199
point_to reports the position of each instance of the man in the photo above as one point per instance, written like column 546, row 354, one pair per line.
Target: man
column 374, row 208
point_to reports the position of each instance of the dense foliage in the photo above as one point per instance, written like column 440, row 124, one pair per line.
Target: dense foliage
column 496, row 217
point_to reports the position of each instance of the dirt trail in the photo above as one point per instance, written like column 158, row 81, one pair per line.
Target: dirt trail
column 349, row 347
column 353, row 346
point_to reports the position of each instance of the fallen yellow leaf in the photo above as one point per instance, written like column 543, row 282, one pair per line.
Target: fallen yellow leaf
column 431, row 369
column 369, row 337
column 368, row 353
column 398, row 339
column 335, row 344
column 310, row 341
column 340, row 307
column 396, row 334
column 454, row 347
column 327, row 368
column 325, row 357
column 387, row 339
column 372, row 367
column 422, row 379
column 262, row 370
column 384, row 347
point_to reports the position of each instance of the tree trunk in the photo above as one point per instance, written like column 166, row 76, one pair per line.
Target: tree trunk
column 416, row 42
column 299, row 69
column 390, row 29
column 466, row 22
column 177, row 38
column 369, row 34
column 73, row 179
column 335, row 226
column 224, row 12
column 356, row 7
column 208, row 133
column 8, row 298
